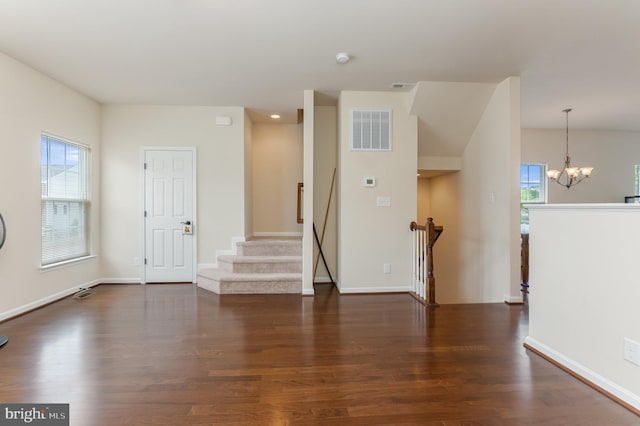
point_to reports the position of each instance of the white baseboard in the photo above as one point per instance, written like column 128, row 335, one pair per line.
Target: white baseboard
column 322, row 280
column 136, row 280
column 355, row 290
column 46, row 300
column 202, row 266
column 232, row 252
column 587, row 374
column 308, row 292
column 512, row 299
column 277, row 234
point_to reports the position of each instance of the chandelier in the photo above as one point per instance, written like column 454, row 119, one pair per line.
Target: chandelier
column 570, row 175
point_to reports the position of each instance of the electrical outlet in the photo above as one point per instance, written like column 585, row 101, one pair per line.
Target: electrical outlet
column 386, row 268
column 631, row 351
column 136, row 261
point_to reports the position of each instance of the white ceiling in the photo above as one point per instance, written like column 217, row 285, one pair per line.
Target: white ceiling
column 583, row 54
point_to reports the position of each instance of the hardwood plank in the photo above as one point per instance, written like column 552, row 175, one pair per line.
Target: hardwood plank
column 177, row 355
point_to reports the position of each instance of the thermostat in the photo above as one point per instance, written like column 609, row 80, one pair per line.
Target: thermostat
column 369, row 182
column 222, row 120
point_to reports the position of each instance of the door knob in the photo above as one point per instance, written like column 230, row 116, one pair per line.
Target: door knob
column 188, row 222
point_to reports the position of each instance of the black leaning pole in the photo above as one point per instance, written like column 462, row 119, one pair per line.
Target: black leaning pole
column 315, row 234
column 3, row 237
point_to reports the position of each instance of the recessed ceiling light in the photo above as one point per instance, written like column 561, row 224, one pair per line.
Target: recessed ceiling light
column 342, row 58
column 275, row 116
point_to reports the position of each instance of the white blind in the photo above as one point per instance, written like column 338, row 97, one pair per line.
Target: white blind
column 65, row 201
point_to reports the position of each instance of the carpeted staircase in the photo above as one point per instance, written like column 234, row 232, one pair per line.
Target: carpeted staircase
column 260, row 267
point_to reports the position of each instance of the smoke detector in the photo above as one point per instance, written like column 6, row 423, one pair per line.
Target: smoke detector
column 342, row 58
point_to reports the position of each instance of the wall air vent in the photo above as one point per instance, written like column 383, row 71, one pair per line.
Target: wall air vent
column 371, row 130
column 396, row 85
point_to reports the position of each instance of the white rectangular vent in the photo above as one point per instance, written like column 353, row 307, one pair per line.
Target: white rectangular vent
column 371, row 130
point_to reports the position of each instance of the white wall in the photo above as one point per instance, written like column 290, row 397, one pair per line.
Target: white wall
column 445, row 207
column 308, row 127
column 370, row 236
column 613, row 154
column 424, row 200
column 248, row 175
column 220, row 177
column 277, row 169
column 325, row 158
column 30, row 104
column 489, row 203
column 585, row 291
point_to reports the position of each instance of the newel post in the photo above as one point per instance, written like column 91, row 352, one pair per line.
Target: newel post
column 431, row 281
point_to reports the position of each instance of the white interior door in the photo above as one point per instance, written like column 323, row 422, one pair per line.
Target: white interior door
column 169, row 209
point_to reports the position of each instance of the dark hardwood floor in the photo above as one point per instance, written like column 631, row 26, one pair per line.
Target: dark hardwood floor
column 178, row 355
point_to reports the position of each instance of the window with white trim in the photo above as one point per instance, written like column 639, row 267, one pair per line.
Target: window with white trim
column 65, row 199
column 533, row 190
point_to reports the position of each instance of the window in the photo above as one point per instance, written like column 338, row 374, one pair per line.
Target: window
column 65, row 199
column 533, row 189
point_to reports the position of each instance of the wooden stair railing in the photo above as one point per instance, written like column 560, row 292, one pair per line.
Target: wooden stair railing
column 299, row 218
column 524, row 264
column 424, row 238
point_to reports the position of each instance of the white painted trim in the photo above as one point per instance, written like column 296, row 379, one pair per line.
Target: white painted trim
column 232, row 252
column 355, row 290
column 194, row 221
column 591, row 206
column 202, row 266
column 277, row 234
column 51, row 266
column 308, row 292
column 46, row 300
column 322, row 280
column 584, row 372
column 135, row 280
column 512, row 299
column 141, row 222
column 194, row 240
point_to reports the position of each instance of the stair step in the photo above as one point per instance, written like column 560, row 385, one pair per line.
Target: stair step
column 260, row 264
column 261, row 267
column 224, row 282
column 270, row 248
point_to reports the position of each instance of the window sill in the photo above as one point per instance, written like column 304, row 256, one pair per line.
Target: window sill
column 57, row 265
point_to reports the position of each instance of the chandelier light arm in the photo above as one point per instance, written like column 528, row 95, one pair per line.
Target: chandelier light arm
column 573, row 175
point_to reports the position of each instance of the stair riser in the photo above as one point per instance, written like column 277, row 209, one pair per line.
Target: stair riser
column 209, row 284
column 259, row 268
column 258, row 287
column 250, row 287
column 273, row 250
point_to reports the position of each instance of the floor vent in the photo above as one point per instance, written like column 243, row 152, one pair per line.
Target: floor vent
column 83, row 293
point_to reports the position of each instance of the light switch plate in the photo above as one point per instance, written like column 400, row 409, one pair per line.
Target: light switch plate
column 383, row 201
